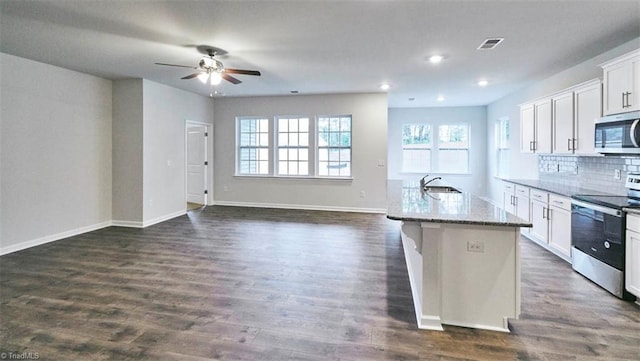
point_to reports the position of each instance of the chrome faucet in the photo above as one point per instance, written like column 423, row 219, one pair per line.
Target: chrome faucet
column 424, row 183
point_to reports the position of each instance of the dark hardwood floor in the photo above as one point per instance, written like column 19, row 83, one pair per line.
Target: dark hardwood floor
column 262, row 284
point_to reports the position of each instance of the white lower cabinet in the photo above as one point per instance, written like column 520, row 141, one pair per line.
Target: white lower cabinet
column 632, row 255
column 539, row 216
column 559, row 217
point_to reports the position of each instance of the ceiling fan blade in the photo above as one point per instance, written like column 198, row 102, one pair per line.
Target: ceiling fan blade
column 229, row 78
column 242, row 71
column 181, row 66
column 191, row 76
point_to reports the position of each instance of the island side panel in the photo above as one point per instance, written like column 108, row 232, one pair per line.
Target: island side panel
column 480, row 276
column 427, row 309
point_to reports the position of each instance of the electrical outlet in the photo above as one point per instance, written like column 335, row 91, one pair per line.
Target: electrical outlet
column 362, row 194
column 617, row 174
column 475, row 246
column 225, row 188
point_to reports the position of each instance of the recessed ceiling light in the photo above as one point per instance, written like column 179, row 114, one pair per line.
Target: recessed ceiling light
column 483, row 82
column 384, row 86
column 412, row 99
column 440, row 98
column 294, row 92
column 435, row 59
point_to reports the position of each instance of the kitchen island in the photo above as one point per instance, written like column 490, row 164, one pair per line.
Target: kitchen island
column 462, row 255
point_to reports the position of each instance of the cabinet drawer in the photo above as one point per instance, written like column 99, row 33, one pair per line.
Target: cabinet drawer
column 509, row 187
column 633, row 222
column 522, row 191
column 560, row 202
column 539, row 195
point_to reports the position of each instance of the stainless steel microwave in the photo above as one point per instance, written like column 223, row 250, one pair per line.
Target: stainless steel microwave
column 618, row 134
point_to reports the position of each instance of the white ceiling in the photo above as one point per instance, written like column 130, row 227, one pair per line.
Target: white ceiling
column 319, row 47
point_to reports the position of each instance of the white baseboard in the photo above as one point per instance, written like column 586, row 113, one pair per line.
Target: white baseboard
column 51, row 238
column 301, row 207
column 74, row 232
column 163, row 218
column 151, row 222
column 129, row 224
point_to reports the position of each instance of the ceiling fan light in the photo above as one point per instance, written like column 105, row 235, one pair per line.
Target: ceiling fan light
column 203, row 77
column 216, row 78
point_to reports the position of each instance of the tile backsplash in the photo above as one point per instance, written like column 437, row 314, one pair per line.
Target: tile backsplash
column 597, row 173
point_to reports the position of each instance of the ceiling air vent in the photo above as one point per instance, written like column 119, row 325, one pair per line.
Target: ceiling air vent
column 489, row 44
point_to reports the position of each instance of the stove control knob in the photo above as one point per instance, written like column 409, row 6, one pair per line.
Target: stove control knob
column 607, row 245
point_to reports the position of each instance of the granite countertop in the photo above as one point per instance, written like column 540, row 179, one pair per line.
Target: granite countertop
column 405, row 202
column 566, row 190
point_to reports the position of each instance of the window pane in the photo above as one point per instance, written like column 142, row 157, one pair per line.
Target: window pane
column 453, row 136
column 416, row 134
column 253, row 142
column 304, row 139
column 453, row 160
column 416, row 160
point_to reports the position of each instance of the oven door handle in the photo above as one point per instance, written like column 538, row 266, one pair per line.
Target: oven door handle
column 595, row 207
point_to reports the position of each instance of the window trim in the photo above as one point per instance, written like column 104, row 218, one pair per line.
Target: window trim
column 239, row 146
column 313, row 149
column 435, row 148
column 277, row 147
column 318, row 147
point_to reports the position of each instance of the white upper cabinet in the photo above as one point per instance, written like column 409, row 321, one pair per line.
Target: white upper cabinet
column 543, row 116
column 622, row 83
column 527, row 128
column 535, row 127
column 563, row 119
column 563, row 123
column 588, row 108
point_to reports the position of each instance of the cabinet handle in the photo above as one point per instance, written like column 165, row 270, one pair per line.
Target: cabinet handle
column 548, row 213
column 569, row 144
column 544, row 211
column 573, row 143
column 623, row 104
column 531, row 145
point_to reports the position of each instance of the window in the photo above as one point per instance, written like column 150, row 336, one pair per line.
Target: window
column 253, row 149
column 423, row 151
column 334, row 146
column 502, row 145
column 416, row 148
column 293, row 146
column 453, row 148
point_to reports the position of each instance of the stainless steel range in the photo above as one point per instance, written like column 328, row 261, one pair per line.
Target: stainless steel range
column 598, row 225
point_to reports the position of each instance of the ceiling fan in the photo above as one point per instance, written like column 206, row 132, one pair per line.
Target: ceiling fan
column 210, row 69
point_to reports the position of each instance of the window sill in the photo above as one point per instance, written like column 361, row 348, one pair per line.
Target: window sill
column 281, row 177
column 435, row 174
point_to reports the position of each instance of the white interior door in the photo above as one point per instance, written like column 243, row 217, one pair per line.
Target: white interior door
column 196, row 164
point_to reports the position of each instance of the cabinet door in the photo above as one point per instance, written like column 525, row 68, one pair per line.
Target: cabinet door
column 633, row 100
column 540, row 229
column 560, row 230
column 527, row 129
column 588, row 108
column 523, row 210
column 617, row 82
column 632, row 271
column 508, row 201
column 563, row 118
column 543, row 116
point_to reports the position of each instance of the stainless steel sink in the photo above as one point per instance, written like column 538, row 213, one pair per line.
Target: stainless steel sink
column 440, row 189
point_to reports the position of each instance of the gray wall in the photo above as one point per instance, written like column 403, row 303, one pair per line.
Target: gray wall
column 127, row 151
column 166, row 110
column 55, row 153
column 149, row 155
column 369, row 147
column 476, row 117
column 524, row 165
